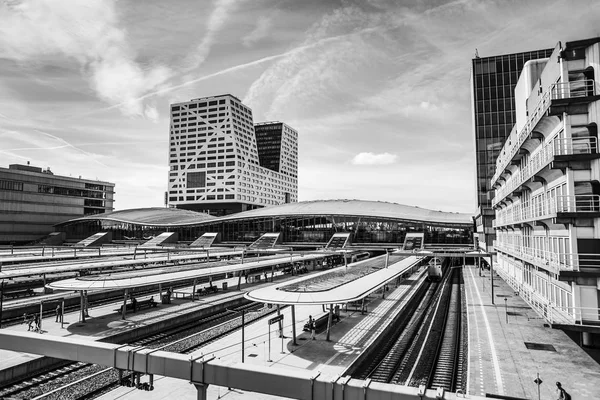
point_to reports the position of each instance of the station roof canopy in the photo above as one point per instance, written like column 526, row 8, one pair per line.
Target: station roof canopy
column 361, row 208
column 156, row 216
column 171, row 217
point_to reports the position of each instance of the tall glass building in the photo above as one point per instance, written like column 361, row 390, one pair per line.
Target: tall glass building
column 493, row 81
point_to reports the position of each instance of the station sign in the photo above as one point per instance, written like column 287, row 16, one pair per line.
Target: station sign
column 276, row 319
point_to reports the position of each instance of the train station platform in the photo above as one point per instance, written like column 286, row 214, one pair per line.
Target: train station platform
column 104, row 321
column 509, row 345
column 348, row 337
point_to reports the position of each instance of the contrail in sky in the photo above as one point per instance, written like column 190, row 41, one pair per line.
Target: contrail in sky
column 236, row 68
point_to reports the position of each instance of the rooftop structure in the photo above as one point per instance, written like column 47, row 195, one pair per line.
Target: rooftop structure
column 219, row 165
column 33, row 200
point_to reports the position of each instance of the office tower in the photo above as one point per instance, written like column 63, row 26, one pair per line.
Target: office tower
column 493, row 81
column 33, row 200
column 220, row 166
column 547, row 195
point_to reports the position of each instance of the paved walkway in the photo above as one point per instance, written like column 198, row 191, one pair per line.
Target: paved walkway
column 500, row 361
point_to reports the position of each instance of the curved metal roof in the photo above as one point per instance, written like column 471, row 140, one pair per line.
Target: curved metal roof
column 156, row 216
column 362, row 208
column 347, row 292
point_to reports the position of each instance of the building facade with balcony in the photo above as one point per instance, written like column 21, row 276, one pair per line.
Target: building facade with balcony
column 493, row 81
column 547, row 190
column 33, row 200
column 221, row 164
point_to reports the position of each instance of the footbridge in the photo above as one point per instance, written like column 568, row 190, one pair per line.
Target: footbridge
column 208, row 370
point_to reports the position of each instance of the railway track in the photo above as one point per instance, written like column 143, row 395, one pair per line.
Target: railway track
column 88, row 381
column 426, row 346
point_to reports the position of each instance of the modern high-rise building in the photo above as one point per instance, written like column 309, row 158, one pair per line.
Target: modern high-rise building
column 547, row 190
column 493, row 81
column 33, row 200
column 221, row 164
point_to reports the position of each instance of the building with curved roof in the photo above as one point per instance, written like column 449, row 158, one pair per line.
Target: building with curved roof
column 309, row 222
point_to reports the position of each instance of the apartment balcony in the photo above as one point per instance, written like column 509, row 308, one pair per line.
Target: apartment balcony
column 560, row 153
column 567, row 266
column 561, row 97
column 562, row 317
column 559, row 210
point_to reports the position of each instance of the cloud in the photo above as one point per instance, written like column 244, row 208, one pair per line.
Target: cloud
column 151, row 113
column 216, row 20
column 263, row 24
column 374, row 159
column 87, row 32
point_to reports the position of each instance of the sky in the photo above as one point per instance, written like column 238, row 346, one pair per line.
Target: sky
column 379, row 90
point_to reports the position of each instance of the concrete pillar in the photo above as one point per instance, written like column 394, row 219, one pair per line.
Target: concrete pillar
column 280, row 323
column 160, row 292
column 194, row 290
column 272, row 272
column 124, row 304
column 329, row 320
column 85, row 303
column 81, row 306
column 201, row 389
column 239, row 280
column 294, row 324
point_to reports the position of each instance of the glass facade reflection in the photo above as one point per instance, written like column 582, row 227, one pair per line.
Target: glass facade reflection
column 302, row 229
column 493, row 81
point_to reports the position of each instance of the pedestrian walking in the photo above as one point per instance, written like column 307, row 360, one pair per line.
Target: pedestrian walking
column 28, row 319
column 58, row 313
column 311, row 325
column 561, row 393
column 36, row 321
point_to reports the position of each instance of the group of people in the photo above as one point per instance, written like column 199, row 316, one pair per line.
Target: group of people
column 30, row 320
column 33, row 320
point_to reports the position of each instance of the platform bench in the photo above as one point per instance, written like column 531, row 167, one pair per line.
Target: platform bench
column 140, row 304
column 320, row 323
column 17, row 293
column 207, row 290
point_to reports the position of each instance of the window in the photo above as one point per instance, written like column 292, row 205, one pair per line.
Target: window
column 196, row 179
column 11, row 185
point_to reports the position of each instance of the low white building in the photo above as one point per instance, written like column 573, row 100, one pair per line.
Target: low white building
column 547, row 190
column 216, row 162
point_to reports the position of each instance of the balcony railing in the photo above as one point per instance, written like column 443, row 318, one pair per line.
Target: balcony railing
column 574, row 89
column 548, row 208
column 556, row 147
column 551, row 312
column 560, row 90
column 551, row 259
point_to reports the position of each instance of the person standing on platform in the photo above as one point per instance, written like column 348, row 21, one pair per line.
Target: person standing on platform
column 134, row 303
column 36, row 321
column 311, row 326
column 58, row 313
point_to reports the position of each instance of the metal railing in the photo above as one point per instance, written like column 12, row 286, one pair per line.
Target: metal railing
column 560, row 90
column 551, row 259
column 551, row 312
column 547, row 208
column 557, row 146
column 574, row 89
